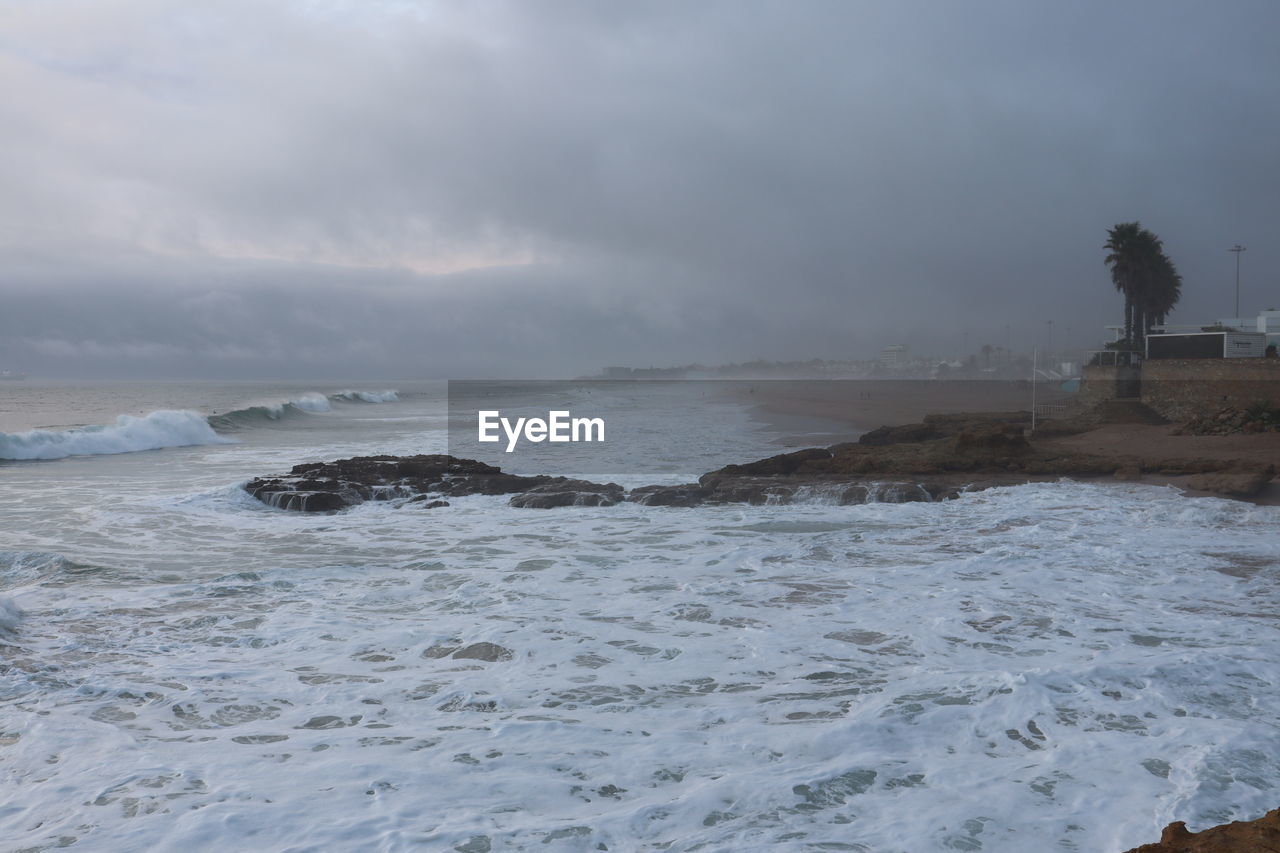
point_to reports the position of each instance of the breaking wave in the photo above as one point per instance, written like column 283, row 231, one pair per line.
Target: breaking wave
column 311, row 402
column 387, row 396
column 170, row 428
column 160, row 429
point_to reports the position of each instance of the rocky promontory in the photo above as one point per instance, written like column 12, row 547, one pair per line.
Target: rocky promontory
column 929, row 461
column 1253, row 836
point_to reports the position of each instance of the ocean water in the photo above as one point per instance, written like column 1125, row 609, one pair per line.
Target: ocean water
column 1046, row 667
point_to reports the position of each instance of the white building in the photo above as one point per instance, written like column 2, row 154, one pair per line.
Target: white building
column 894, row 355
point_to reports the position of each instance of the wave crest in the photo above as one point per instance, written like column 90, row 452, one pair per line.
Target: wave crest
column 165, row 428
column 389, row 395
column 312, row 402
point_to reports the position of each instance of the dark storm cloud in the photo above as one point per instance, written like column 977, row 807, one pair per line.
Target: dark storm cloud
column 281, row 188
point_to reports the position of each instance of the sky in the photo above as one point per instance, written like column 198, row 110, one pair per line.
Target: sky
column 242, row 188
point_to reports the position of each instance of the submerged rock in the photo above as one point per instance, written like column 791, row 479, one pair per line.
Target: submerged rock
column 488, row 652
column 686, row 494
column 562, row 492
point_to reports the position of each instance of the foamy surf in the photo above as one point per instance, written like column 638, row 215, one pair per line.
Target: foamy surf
column 10, row 614
column 193, row 669
column 387, row 396
column 128, row 434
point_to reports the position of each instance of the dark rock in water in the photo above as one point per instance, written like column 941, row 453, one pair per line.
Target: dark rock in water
column 856, row 493
column 758, row 491
column 562, row 492
column 307, row 501
column 899, row 493
column 785, row 464
column 329, row 486
column 489, row 652
column 684, row 495
column 428, row 502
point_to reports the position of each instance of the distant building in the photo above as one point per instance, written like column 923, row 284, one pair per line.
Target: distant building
column 894, row 355
column 1206, row 345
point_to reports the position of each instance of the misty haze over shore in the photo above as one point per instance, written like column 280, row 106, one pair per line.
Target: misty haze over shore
column 512, row 189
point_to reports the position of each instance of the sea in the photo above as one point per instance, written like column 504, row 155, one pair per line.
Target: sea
column 1048, row 667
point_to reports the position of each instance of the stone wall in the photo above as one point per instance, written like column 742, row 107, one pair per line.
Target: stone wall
column 1180, row 387
column 1102, row 382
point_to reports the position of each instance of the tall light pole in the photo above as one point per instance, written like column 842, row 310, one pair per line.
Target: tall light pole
column 1237, row 248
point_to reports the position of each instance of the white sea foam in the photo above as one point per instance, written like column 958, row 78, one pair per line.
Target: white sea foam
column 10, row 613
column 1097, row 661
column 387, row 396
column 127, row 434
column 311, row 402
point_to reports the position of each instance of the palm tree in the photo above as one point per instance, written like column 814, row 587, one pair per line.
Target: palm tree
column 1124, row 259
column 1165, row 288
column 1144, row 274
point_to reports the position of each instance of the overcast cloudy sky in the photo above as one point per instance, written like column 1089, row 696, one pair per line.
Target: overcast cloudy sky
column 375, row 188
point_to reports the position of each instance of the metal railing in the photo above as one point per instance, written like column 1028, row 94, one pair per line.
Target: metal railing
column 1045, row 411
column 1112, row 358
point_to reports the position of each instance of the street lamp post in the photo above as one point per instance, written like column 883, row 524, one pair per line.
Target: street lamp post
column 1237, row 249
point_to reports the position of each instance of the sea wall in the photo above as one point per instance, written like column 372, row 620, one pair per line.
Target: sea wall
column 1101, row 382
column 1178, row 388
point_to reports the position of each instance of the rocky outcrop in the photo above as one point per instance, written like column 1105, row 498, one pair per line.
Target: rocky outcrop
column 1242, row 485
column 562, row 492
column 1254, row 836
column 687, row 494
column 900, row 434
column 899, row 464
column 758, row 491
column 329, row 486
column 983, row 449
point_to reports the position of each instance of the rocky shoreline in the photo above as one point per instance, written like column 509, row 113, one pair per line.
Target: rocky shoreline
column 1254, row 836
column 933, row 460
